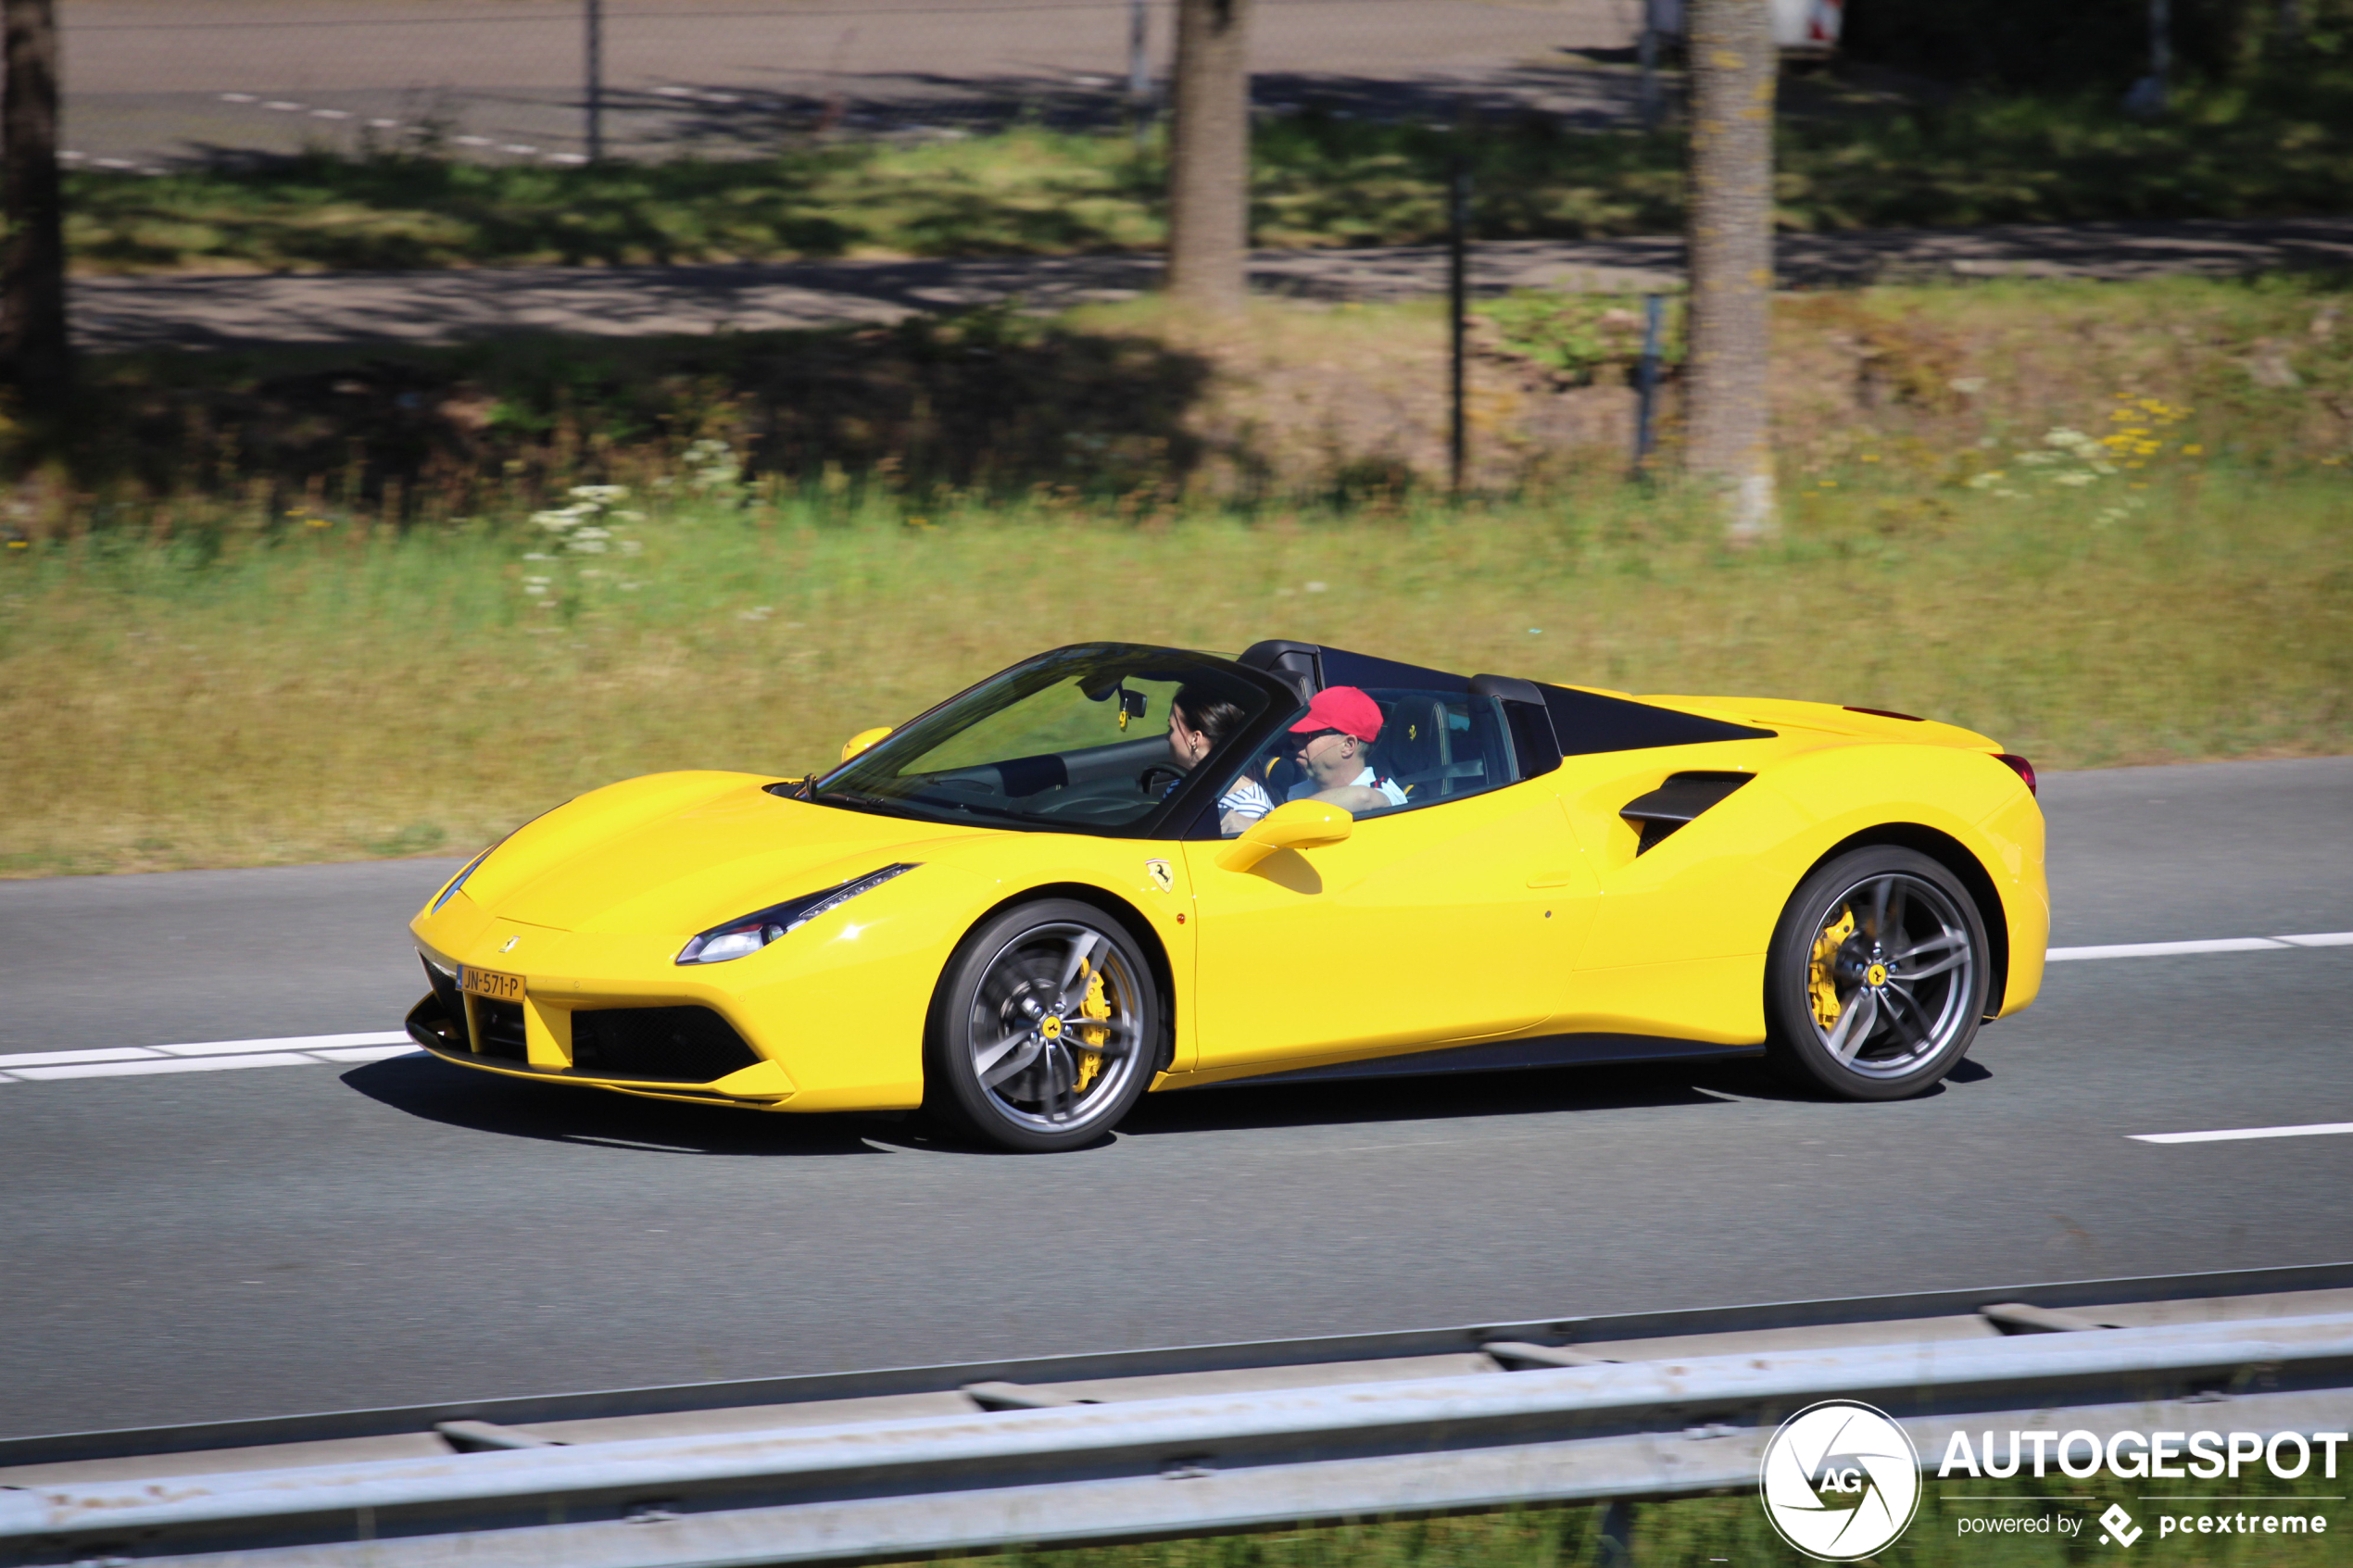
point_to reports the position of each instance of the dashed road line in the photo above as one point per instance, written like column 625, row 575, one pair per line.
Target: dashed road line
column 310, row 1051
column 2233, row 1135
column 203, row 1056
column 2212, row 945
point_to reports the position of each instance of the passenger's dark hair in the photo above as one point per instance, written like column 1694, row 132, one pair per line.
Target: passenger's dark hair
column 1213, row 716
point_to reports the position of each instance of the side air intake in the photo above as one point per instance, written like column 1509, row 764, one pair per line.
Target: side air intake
column 1680, row 799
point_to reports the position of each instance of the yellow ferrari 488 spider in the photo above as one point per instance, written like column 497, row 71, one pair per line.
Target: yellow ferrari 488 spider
column 1116, row 869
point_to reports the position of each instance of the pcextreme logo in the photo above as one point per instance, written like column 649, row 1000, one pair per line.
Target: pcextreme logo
column 1840, row 1480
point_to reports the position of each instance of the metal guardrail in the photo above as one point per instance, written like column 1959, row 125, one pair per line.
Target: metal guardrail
column 1162, row 1361
column 1020, row 1464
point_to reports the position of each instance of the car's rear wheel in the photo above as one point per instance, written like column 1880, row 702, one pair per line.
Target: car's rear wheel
column 1877, row 976
column 1046, row 1029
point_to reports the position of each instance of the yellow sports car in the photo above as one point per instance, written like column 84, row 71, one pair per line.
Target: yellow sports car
column 1116, row 869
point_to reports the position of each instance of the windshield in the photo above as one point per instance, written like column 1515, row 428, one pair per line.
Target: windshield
column 1077, row 740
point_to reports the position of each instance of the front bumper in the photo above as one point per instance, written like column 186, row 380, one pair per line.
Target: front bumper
column 690, row 1050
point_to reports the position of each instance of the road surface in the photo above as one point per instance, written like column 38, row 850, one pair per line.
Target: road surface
column 183, row 1245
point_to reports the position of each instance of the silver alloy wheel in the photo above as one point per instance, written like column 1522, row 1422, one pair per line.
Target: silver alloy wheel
column 1893, row 977
column 1056, row 1028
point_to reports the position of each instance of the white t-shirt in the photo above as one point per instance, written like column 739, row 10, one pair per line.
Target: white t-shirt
column 1245, row 797
column 1365, row 780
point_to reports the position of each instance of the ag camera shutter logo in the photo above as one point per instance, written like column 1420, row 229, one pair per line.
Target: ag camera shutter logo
column 1840, row 1480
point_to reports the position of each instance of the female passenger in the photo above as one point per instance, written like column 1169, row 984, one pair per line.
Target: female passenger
column 1198, row 720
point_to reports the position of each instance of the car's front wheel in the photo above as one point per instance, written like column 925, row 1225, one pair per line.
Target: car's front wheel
column 1046, row 1030
column 1877, row 976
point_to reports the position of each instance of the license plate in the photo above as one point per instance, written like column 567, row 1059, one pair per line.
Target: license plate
column 490, row 983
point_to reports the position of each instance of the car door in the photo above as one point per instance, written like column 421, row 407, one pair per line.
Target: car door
column 1451, row 919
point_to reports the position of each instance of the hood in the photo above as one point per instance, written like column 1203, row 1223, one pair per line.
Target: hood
column 677, row 853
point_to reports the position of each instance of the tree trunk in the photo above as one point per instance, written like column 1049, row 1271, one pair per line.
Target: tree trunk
column 1209, row 155
column 33, row 355
column 1733, row 67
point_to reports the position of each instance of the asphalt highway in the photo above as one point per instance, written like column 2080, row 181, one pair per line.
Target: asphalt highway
column 192, row 1246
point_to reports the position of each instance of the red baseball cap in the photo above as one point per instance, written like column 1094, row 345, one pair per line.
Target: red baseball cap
column 1345, row 708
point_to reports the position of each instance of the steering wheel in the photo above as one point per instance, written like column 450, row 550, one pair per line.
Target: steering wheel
column 1144, row 779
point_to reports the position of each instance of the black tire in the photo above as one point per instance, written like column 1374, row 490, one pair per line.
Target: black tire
column 1916, row 991
column 1003, row 1000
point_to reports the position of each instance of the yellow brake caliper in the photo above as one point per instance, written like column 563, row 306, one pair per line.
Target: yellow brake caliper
column 1091, row 1063
column 1822, row 979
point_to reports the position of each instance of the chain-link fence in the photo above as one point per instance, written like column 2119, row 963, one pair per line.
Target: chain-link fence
column 155, row 82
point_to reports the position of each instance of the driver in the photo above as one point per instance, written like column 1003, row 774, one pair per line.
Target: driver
column 1329, row 744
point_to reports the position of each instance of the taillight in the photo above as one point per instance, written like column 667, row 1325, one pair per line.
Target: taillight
column 2021, row 767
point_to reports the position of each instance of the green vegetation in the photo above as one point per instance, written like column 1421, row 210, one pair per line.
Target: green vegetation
column 2104, row 523
column 2266, row 144
column 1691, row 1533
column 340, row 690
column 1138, row 406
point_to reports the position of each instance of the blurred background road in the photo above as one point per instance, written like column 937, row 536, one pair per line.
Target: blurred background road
column 152, row 83
column 207, row 1245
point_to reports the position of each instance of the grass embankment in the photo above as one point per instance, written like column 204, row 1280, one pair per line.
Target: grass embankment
column 1694, row 1531
column 2104, row 523
column 2270, row 146
column 348, row 692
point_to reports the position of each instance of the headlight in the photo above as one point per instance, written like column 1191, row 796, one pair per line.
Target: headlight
column 755, row 931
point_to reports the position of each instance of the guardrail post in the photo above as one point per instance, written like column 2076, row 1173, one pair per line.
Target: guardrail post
column 1614, row 1537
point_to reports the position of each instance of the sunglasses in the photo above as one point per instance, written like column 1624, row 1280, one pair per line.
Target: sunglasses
column 1304, row 738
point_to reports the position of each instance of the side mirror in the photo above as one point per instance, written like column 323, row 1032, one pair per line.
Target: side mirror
column 1301, row 824
column 862, row 740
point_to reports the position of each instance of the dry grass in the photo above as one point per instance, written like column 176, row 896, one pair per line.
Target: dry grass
column 197, row 678
column 350, row 694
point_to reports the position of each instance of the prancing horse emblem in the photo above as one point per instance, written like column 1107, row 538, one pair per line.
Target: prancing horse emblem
column 1162, row 878
column 509, row 946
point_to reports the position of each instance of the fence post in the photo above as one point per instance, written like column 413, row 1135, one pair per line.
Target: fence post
column 596, row 80
column 1646, row 379
column 1140, row 72
column 1647, row 52
column 1458, row 314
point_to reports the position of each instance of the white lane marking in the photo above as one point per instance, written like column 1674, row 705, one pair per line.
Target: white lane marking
column 163, row 1064
column 2232, row 1135
column 48, row 1058
column 2212, row 945
column 290, row 1043
column 205, row 1056
column 200, row 1055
